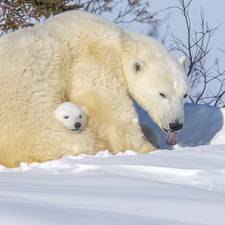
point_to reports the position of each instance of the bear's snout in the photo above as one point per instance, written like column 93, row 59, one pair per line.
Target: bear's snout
column 175, row 126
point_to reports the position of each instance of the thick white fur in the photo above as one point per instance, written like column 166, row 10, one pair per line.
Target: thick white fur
column 74, row 53
column 70, row 114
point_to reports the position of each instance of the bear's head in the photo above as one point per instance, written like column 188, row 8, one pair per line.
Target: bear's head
column 71, row 115
column 157, row 81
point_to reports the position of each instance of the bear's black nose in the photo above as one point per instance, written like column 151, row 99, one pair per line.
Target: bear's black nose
column 77, row 125
column 175, row 126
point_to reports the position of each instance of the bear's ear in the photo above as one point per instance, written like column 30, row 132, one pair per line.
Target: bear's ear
column 136, row 66
column 184, row 62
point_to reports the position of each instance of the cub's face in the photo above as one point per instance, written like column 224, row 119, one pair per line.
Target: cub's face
column 71, row 115
column 161, row 88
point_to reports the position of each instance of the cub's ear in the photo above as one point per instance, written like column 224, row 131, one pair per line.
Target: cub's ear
column 136, row 66
column 184, row 62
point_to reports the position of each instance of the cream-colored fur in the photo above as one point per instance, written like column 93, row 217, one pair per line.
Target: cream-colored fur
column 114, row 134
column 75, row 52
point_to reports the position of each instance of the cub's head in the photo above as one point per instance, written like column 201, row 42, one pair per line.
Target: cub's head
column 71, row 115
column 159, row 85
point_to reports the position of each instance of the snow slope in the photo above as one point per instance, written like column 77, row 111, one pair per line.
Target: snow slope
column 183, row 186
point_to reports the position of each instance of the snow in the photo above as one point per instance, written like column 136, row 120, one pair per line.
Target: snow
column 183, row 186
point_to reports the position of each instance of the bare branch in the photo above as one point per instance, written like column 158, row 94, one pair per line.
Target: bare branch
column 18, row 13
column 197, row 50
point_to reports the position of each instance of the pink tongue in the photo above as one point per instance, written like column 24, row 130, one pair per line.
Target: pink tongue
column 171, row 138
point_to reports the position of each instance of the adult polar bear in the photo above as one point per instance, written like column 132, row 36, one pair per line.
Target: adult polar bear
column 80, row 57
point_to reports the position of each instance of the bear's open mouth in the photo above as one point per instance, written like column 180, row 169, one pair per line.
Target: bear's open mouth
column 75, row 130
column 165, row 130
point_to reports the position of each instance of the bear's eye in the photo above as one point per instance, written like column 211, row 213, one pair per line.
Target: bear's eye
column 66, row 117
column 137, row 67
column 163, row 95
column 185, row 96
column 80, row 116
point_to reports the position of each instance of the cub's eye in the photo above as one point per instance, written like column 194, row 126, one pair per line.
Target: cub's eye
column 163, row 95
column 80, row 116
column 66, row 117
column 185, row 96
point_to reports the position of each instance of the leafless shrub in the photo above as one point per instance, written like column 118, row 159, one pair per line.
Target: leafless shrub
column 197, row 48
column 124, row 11
column 17, row 14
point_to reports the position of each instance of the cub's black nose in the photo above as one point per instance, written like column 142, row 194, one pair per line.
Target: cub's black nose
column 175, row 126
column 77, row 125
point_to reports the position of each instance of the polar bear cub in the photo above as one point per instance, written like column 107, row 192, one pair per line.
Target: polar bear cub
column 72, row 116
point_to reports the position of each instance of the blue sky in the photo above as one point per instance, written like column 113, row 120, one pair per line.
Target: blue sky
column 213, row 13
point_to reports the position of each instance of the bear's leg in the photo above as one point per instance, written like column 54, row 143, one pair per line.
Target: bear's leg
column 114, row 124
